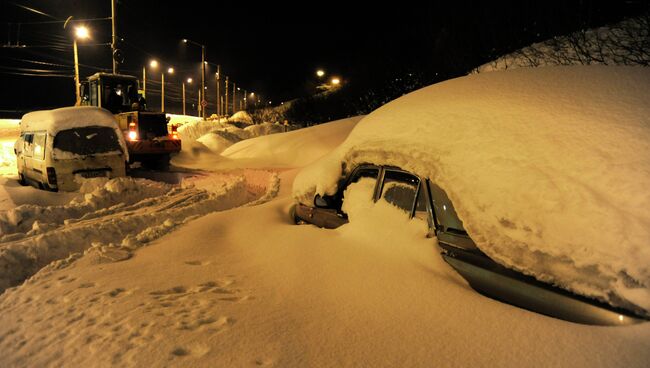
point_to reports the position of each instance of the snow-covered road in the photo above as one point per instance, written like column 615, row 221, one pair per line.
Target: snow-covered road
column 112, row 218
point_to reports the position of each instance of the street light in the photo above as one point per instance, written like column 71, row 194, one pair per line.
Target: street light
column 170, row 70
column 153, row 64
column 81, row 33
column 336, row 81
column 203, row 63
column 320, row 73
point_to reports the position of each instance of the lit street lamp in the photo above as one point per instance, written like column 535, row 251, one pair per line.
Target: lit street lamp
column 154, row 64
column 203, row 63
column 80, row 33
column 320, row 73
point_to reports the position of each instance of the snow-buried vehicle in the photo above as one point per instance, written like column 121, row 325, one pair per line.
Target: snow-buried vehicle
column 534, row 182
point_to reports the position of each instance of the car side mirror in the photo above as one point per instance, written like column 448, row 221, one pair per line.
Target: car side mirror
column 322, row 202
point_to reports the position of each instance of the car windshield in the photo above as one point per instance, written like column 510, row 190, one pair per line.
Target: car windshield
column 87, row 140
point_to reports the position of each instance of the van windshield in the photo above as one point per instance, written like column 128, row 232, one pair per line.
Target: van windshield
column 87, row 140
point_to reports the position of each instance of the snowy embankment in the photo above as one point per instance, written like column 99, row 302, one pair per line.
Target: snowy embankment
column 548, row 169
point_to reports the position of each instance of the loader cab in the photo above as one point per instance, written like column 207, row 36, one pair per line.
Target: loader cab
column 114, row 92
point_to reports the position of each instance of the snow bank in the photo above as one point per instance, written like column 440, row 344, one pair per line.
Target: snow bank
column 192, row 131
column 217, row 141
column 548, row 169
column 264, row 129
column 241, row 117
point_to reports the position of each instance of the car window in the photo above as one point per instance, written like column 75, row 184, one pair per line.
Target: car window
column 87, row 140
column 28, row 144
column 445, row 214
column 371, row 173
column 39, row 145
column 399, row 189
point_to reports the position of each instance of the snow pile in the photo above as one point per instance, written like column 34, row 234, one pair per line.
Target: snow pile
column 182, row 119
column 218, row 140
column 97, row 194
column 265, row 129
column 548, row 169
column 241, row 117
column 624, row 43
column 292, row 149
column 192, row 131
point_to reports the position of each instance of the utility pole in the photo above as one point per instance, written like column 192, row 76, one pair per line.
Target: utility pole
column 198, row 112
column 114, row 39
column 76, row 74
column 162, row 94
column 218, row 90
column 225, row 105
column 144, row 82
column 204, row 103
column 234, row 97
column 245, row 97
column 183, row 98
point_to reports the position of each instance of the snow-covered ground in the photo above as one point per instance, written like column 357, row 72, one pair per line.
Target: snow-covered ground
column 242, row 286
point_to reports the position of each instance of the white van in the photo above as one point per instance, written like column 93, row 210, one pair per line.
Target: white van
column 58, row 148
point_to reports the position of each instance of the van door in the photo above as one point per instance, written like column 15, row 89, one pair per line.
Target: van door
column 28, row 152
column 38, row 154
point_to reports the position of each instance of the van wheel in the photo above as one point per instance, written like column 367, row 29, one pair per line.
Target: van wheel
column 21, row 179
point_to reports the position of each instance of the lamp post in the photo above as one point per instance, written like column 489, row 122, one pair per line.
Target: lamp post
column 218, row 90
column 153, row 64
column 189, row 81
column 162, row 88
column 203, row 63
column 225, row 105
column 80, row 33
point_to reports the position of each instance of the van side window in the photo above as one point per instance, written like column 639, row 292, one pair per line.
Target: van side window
column 28, row 147
column 39, row 145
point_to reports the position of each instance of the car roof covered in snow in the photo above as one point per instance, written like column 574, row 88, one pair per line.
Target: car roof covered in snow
column 54, row 121
column 548, row 168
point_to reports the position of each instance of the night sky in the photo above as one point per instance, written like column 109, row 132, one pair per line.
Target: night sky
column 273, row 49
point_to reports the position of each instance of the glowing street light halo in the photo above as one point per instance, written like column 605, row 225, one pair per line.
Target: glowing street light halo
column 320, row 73
column 81, row 32
column 153, row 63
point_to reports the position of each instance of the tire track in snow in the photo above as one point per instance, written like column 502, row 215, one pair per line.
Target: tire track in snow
column 119, row 229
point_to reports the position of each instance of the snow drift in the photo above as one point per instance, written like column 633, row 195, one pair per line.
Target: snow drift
column 548, row 169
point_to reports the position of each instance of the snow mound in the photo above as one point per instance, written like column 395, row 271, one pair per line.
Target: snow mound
column 548, row 169
column 191, row 131
column 264, row 129
column 241, row 117
column 217, row 141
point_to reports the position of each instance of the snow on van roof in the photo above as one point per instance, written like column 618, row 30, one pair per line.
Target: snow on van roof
column 548, row 168
column 54, row 121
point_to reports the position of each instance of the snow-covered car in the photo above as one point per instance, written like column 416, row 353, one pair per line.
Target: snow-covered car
column 534, row 183
column 58, row 148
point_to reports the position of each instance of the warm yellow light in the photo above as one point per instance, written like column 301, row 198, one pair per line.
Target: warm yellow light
column 170, row 70
column 153, row 63
column 133, row 135
column 82, row 32
column 336, row 81
column 320, row 72
column 189, row 80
